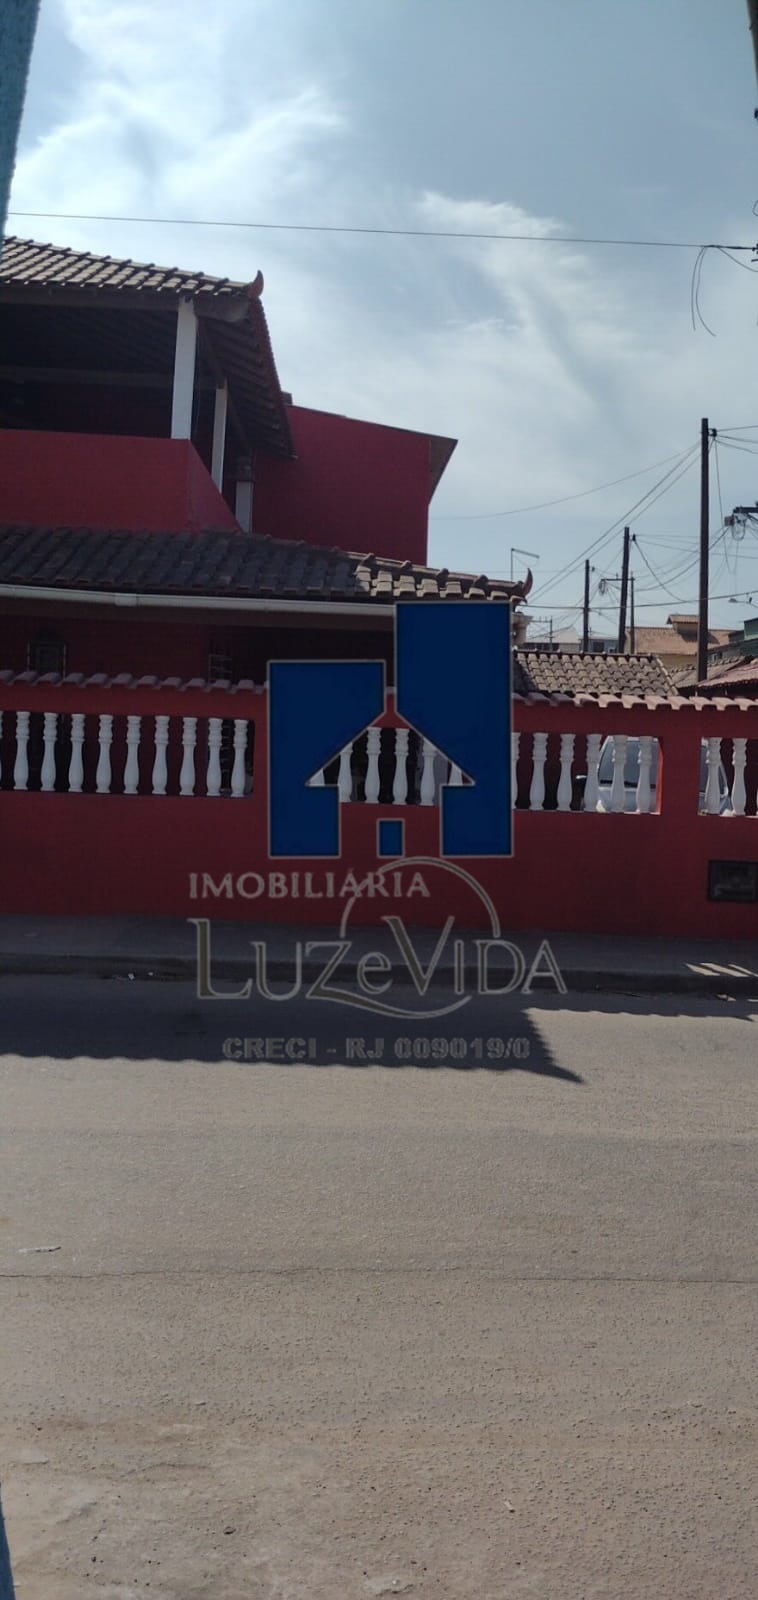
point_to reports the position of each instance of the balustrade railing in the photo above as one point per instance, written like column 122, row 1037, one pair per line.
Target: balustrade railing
column 581, row 758
column 102, row 753
column 390, row 766
column 561, row 771
column 621, row 773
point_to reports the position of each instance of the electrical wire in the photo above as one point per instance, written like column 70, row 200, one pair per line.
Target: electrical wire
column 643, row 504
column 543, row 505
column 657, row 576
column 718, row 477
column 395, row 233
column 696, row 314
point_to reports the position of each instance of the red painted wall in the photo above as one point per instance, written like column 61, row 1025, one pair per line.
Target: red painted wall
column 356, row 485
column 114, row 641
column 571, row 871
column 81, row 480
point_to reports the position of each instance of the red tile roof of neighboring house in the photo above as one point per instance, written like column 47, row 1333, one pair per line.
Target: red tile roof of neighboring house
column 569, row 672
column 740, row 673
column 222, row 563
column 667, row 642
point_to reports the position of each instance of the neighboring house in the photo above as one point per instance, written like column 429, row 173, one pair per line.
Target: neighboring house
column 732, row 671
column 553, row 639
column 568, row 673
column 568, row 640
column 676, row 644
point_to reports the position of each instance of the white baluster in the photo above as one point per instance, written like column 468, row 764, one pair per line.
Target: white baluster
column 318, row 780
column 564, row 782
column 76, row 764
column 49, row 735
column 239, row 775
column 618, row 789
column 644, row 793
column 592, row 788
column 21, row 765
column 739, row 794
column 189, row 739
column 712, row 787
column 455, row 779
column 515, row 743
column 373, row 782
column 215, row 732
column 160, row 765
column 345, row 774
column 103, row 773
column 537, row 786
column 427, row 774
column 400, row 779
column 131, row 767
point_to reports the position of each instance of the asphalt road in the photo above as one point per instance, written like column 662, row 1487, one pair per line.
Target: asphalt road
column 480, row 1326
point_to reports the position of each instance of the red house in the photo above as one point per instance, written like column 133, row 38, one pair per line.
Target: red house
column 170, row 522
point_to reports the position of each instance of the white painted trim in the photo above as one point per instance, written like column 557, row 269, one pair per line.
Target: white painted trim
column 369, row 610
column 219, row 435
column 184, row 371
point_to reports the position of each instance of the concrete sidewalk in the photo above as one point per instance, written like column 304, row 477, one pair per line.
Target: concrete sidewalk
column 164, row 948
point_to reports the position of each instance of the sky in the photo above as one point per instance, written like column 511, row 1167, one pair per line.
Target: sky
column 558, row 367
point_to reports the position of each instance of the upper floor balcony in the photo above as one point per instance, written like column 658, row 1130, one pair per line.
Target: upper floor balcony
column 107, row 481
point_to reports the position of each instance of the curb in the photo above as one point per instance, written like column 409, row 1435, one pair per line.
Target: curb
column 182, row 969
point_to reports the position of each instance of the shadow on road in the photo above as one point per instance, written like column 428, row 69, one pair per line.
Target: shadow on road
column 105, row 1019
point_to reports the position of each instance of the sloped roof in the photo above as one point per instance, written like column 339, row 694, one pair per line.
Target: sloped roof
column 729, row 674
column 31, row 265
column 569, row 673
column 218, row 562
column 59, row 284
column 667, row 642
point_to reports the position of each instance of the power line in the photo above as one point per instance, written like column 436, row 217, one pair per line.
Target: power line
column 657, row 605
column 661, row 487
column 393, row 233
column 542, row 505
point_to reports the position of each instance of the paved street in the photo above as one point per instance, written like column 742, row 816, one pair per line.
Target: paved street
column 478, row 1328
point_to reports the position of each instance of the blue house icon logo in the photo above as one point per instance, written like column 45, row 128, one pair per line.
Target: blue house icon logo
column 452, row 685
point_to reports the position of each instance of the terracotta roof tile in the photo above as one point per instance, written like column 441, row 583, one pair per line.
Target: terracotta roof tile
column 571, row 673
column 221, row 563
column 96, row 303
column 24, row 263
column 670, row 643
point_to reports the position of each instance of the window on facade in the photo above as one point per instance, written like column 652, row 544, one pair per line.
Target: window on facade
column 46, row 653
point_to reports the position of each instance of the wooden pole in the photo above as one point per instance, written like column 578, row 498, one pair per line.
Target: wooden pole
column 586, row 609
column 702, row 623
column 624, row 592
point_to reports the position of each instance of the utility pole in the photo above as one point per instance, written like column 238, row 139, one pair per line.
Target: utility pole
column 624, row 591
column 702, row 623
column 632, row 628
column 586, row 609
